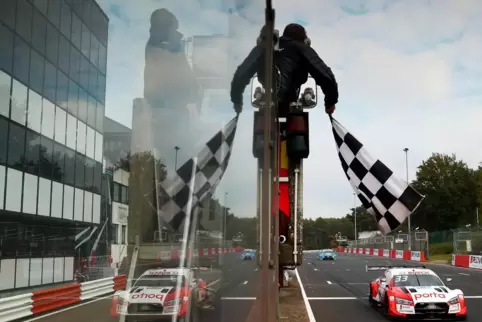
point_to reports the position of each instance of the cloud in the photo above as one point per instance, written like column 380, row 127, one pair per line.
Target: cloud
column 409, row 75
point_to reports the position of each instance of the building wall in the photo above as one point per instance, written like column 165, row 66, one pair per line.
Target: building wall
column 120, row 214
column 52, row 93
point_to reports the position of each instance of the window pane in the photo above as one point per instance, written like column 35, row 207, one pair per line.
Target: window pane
column 54, row 12
column 89, row 174
column 76, row 31
column 90, row 145
column 81, row 133
column 84, row 73
column 64, row 54
column 16, row 146
column 6, row 43
column 85, row 48
column 71, row 132
column 24, row 19
column 124, row 234
column 46, row 157
column 52, row 44
column 100, row 117
column 34, row 115
column 98, row 146
column 87, row 11
column 22, row 60
column 101, row 87
column 3, row 141
column 116, row 192
column 50, row 81
column 115, row 234
column 7, row 14
column 79, row 171
column 39, row 32
column 94, row 50
column 65, row 20
column 5, row 84
column 60, row 125
column 58, row 162
column 124, row 198
column 102, row 58
column 18, row 111
column 91, row 111
column 98, row 177
column 69, row 173
column 62, row 89
column 32, row 152
column 37, row 63
column 73, row 98
column 74, row 68
column 48, row 118
column 83, row 107
column 93, row 79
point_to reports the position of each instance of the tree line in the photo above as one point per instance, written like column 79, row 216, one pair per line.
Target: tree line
column 453, row 196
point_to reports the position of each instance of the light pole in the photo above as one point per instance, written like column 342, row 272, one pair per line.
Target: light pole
column 176, row 148
column 354, row 217
column 409, row 223
column 225, row 217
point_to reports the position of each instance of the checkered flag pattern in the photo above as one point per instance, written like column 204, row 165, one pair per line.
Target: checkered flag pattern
column 211, row 163
column 388, row 198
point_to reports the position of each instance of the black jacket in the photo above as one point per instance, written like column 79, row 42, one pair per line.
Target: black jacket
column 295, row 61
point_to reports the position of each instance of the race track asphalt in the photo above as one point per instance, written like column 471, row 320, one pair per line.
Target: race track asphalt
column 238, row 287
column 337, row 290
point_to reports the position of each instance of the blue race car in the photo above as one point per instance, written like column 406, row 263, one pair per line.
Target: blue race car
column 327, row 254
column 248, row 254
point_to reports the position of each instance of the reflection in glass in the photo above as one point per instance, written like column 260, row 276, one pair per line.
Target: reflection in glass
column 46, row 168
column 90, row 146
column 98, row 146
column 62, row 89
column 18, row 111
column 6, row 43
column 89, row 174
column 60, row 125
column 100, row 117
column 32, row 152
column 64, row 54
column 74, row 69
column 84, row 73
column 98, row 178
column 7, row 14
column 79, row 171
column 68, row 202
column 24, row 19
column 52, row 52
column 54, row 12
column 3, row 141
column 85, row 45
column 21, row 62
column 39, row 32
column 16, row 146
column 48, row 118
column 69, row 169
column 71, row 131
column 34, row 115
column 5, row 84
column 37, row 63
column 50, row 81
column 81, row 133
column 82, row 107
column 58, row 162
column 65, row 19
column 73, row 98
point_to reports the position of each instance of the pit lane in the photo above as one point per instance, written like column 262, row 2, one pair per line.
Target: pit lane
column 337, row 290
column 237, row 288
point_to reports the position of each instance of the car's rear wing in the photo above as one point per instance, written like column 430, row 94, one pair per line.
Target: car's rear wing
column 384, row 268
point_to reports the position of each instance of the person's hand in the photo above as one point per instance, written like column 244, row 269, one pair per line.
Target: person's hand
column 330, row 109
column 238, row 108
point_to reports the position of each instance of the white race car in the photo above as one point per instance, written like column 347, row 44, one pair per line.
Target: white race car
column 159, row 294
column 405, row 292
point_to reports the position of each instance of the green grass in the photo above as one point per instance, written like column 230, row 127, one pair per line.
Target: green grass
column 440, row 257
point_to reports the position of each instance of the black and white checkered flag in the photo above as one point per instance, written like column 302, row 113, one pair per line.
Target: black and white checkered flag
column 389, row 199
column 195, row 179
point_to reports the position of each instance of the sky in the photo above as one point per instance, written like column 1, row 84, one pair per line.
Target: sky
column 409, row 75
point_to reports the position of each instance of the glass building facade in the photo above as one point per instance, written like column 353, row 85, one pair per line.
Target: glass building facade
column 52, row 95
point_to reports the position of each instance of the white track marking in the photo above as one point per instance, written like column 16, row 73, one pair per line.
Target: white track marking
column 473, row 297
column 330, row 298
column 238, row 298
column 465, row 274
column 311, row 316
column 245, row 282
column 328, row 282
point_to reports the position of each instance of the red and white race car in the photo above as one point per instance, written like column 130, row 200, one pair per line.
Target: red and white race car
column 159, row 294
column 415, row 293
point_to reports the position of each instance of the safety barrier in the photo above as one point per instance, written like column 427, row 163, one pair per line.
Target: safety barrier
column 388, row 253
column 35, row 303
column 467, row 261
column 176, row 254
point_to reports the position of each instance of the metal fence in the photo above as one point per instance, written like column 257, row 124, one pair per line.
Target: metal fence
column 399, row 241
column 467, row 240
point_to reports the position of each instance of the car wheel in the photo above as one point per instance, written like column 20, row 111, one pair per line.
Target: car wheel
column 370, row 298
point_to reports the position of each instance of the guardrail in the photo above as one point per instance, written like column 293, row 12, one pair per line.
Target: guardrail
column 408, row 255
column 467, row 261
column 35, row 303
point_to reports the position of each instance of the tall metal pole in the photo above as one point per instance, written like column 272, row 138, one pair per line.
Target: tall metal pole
column 409, row 223
column 266, row 307
column 354, row 217
column 176, row 148
column 225, row 217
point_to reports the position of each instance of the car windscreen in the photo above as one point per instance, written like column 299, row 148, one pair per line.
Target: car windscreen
column 160, row 281
column 417, row 280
